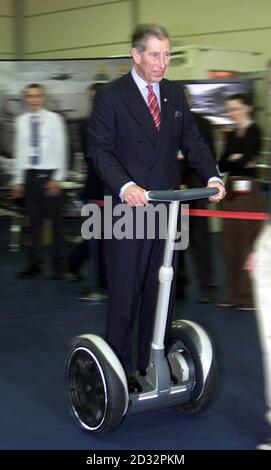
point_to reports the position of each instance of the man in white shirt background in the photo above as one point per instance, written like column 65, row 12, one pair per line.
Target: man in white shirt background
column 40, row 166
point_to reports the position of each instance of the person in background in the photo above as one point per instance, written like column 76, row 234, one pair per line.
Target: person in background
column 89, row 250
column 258, row 265
column 138, row 124
column 40, row 166
column 239, row 160
column 200, row 237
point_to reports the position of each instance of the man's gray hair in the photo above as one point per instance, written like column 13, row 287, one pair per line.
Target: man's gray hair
column 144, row 31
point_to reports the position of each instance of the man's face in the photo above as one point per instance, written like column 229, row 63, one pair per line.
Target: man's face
column 34, row 98
column 151, row 65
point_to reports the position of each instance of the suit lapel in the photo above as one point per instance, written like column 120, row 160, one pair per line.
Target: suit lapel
column 138, row 107
column 167, row 111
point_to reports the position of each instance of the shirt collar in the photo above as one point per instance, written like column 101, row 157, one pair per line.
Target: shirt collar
column 39, row 114
column 141, row 83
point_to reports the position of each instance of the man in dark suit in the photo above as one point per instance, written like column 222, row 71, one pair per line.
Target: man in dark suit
column 137, row 126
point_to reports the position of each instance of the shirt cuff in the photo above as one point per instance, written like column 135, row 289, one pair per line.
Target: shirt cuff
column 59, row 175
column 18, row 179
column 123, row 189
column 215, row 178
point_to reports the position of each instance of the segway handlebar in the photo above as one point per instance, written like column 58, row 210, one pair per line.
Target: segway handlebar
column 181, row 194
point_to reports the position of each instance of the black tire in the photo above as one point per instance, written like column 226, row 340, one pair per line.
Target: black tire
column 207, row 397
column 203, row 392
column 96, row 394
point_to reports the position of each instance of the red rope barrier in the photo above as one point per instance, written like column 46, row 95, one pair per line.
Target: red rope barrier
column 229, row 214
column 220, row 214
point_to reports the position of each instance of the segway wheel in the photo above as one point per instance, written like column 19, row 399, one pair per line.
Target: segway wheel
column 207, row 397
column 192, row 343
column 97, row 387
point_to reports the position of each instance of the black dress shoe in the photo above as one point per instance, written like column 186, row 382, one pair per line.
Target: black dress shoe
column 205, row 298
column 93, row 297
column 31, row 270
column 85, row 290
column 134, row 386
column 74, row 276
column 59, row 274
column 208, row 295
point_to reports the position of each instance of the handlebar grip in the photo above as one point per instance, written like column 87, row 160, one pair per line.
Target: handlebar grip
column 181, row 194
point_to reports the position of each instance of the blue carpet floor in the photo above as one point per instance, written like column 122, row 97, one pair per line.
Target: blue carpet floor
column 38, row 318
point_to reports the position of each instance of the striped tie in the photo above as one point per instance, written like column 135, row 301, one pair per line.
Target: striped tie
column 35, row 137
column 153, row 107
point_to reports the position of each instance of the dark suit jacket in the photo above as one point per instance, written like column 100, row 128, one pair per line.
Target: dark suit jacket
column 125, row 145
column 93, row 186
column 189, row 176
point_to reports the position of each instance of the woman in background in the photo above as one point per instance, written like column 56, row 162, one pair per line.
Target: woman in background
column 239, row 160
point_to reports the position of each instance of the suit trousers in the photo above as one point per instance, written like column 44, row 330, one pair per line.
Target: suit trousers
column 132, row 273
column 133, row 288
column 38, row 207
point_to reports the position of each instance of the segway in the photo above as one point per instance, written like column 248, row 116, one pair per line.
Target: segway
column 184, row 375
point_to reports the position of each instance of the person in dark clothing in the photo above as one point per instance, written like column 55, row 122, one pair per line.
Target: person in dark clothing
column 93, row 187
column 89, row 250
column 259, row 266
column 200, row 237
column 239, row 160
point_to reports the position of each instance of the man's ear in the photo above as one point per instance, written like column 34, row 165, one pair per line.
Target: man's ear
column 136, row 55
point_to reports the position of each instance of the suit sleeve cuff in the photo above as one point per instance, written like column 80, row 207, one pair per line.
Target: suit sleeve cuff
column 215, row 178
column 123, row 189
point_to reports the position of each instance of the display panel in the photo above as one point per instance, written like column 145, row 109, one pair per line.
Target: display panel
column 208, row 97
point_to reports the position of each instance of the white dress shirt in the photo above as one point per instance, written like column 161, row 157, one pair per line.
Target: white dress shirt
column 52, row 148
column 142, row 85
